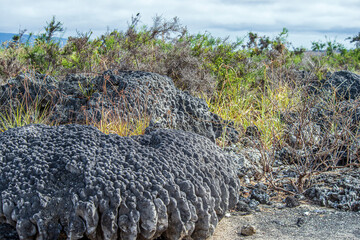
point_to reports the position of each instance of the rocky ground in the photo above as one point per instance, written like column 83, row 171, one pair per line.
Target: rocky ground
column 306, row 221
column 321, row 213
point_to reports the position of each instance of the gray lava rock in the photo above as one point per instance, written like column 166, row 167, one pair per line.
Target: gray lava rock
column 249, row 162
column 337, row 189
column 261, row 196
column 27, row 90
column 345, row 84
column 346, row 116
column 125, row 94
column 248, row 230
column 291, row 202
column 8, row 232
column 77, row 181
column 319, row 135
column 242, row 206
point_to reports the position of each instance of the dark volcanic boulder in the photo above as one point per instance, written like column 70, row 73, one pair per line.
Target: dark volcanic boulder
column 27, row 90
column 345, row 84
column 74, row 180
column 124, row 94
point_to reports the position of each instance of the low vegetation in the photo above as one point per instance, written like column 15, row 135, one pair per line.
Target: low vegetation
column 253, row 81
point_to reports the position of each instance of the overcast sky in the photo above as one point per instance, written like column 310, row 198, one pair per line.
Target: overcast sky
column 307, row 20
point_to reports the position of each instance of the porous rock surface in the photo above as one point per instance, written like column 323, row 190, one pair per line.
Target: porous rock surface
column 126, row 94
column 77, row 181
column 337, row 189
column 345, row 84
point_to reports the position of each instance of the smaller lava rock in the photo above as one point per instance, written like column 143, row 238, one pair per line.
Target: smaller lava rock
column 291, row 202
column 261, row 196
column 243, row 207
column 252, row 131
column 248, row 230
column 300, row 222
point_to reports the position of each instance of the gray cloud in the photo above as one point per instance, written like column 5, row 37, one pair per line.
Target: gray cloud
column 219, row 17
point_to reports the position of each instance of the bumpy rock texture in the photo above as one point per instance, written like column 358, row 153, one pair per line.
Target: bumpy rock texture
column 77, row 181
column 126, row 94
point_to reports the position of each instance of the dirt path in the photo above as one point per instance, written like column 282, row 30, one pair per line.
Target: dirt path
column 303, row 222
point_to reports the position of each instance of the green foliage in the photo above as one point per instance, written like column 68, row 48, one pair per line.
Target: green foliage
column 347, row 60
column 258, row 45
column 317, row 46
column 330, row 47
column 21, row 116
column 87, row 90
column 355, row 39
column 44, row 55
column 80, row 54
column 10, row 61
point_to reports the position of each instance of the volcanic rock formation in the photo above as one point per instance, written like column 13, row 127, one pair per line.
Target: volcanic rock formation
column 345, row 84
column 77, row 181
column 125, row 94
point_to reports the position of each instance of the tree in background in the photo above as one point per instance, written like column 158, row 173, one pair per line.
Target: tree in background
column 355, row 40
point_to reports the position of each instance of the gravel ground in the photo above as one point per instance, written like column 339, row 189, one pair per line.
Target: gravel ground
column 304, row 222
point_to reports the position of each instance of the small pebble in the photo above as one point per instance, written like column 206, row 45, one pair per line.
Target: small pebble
column 300, row 222
column 278, row 222
column 228, row 215
column 248, row 230
column 246, row 180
